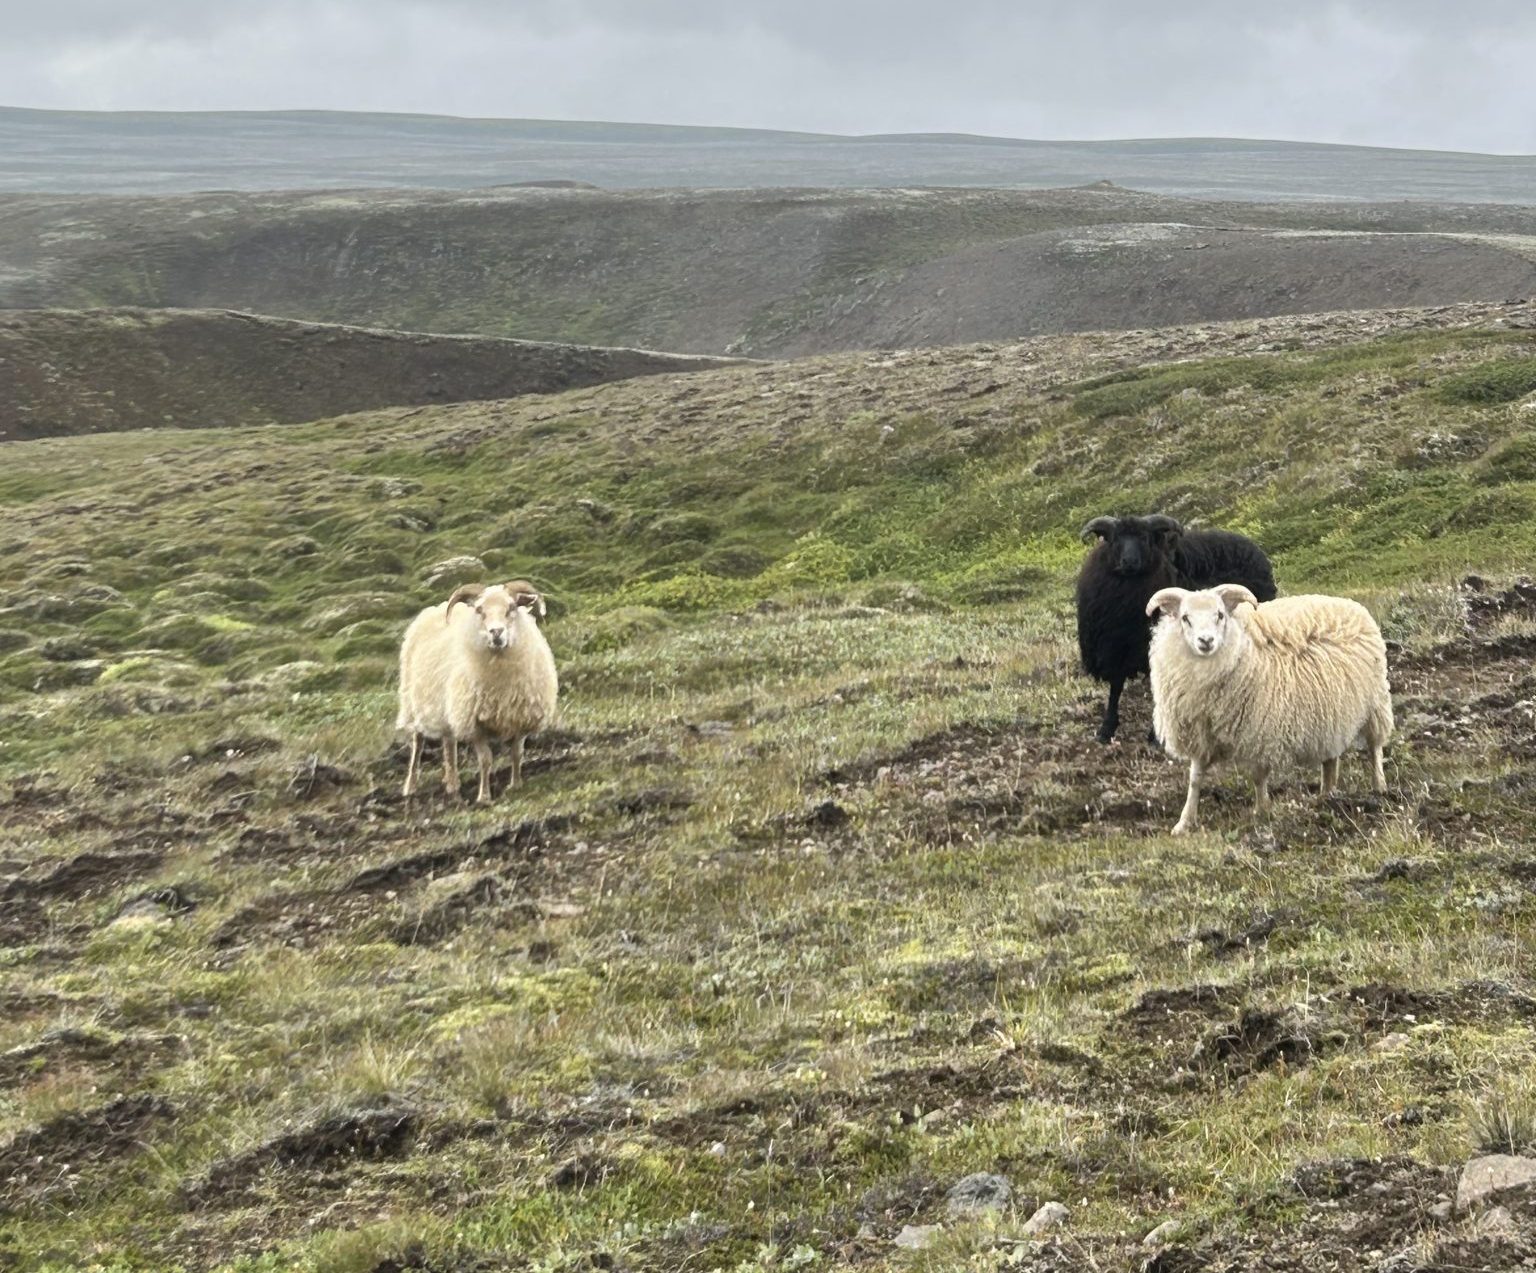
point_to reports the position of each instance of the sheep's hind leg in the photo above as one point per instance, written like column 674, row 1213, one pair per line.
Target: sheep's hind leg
column 1378, row 773
column 1262, row 803
column 451, row 767
column 483, row 759
column 1330, row 777
column 413, row 770
column 517, row 762
column 1111, row 721
column 1190, row 818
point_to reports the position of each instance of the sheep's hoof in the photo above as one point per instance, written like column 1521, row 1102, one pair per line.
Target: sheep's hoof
column 1182, row 829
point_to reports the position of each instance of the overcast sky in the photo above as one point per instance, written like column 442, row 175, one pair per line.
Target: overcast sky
column 1419, row 73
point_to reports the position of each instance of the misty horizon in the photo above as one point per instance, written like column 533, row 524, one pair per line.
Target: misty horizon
column 925, row 134
column 1410, row 74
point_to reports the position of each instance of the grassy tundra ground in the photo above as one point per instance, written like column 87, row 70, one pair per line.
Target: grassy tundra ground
column 823, row 897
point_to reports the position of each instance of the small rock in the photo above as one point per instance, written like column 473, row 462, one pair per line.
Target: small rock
column 718, row 1149
column 1483, row 1177
column 142, row 911
column 551, row 909
column 1441, row 1211
column 1392, row 1042
column 712, row 728
column 1052, row 1215
column 455, row 570
column 866, row 1232
column 977, row 1194
column 914, row 1237
column 1162, row 1235
column 1496, row 1222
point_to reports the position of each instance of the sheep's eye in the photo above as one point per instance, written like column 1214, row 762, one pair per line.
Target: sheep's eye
column 1187, row 623
column 480, row 610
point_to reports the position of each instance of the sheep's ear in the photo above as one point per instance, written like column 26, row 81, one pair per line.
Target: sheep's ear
column 530, row 601
column 1168, row 601
column 1099, row 528
column 1233, row 595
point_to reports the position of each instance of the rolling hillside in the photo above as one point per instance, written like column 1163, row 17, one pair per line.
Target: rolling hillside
column 99, row 371
column 132, row 152
column 822, row 900
column 766, row 273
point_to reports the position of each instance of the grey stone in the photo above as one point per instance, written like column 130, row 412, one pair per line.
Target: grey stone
column 914, row 1237
column 1493, row 1173
column 1496, row 1222
column 1051, row 1215
column 1162, row 1235
column 456, row 570
column 977, row 1194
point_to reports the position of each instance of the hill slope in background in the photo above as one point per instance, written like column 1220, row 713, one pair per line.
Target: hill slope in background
column 149, row 152
column 822, row 897
column 756, row 272
column 97, row 371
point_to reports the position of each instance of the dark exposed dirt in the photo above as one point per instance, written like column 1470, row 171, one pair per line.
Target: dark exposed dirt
column 47, row 1161
column 327, row 1143
column 126, row 1056
column 99, row 371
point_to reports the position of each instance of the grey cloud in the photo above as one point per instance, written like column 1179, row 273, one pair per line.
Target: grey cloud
column 1390, row 72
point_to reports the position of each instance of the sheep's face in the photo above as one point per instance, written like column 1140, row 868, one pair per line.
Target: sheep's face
column 498, row 612
column 1204, row 618
column 1135, row 545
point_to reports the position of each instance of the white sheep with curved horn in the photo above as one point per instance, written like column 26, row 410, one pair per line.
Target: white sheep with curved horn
column 1298, row 681
column 472, row 669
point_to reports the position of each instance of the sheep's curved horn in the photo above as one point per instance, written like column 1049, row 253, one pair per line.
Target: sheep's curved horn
column 1168, row 600
column 1233, row 595
column 1104, row 526
column 1160, row 521
column 468, row 592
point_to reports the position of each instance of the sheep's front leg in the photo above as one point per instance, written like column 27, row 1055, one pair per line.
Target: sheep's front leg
column 483, row 759
column 517, row 762
column 451, row 767
column 1330, row 776
column 413, row 770
column 1111, row 721
column 1190, row 818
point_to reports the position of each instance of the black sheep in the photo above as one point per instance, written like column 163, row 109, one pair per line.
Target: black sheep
column 1135, row 557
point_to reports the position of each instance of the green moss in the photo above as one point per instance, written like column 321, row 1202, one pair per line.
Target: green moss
column 1501, row 380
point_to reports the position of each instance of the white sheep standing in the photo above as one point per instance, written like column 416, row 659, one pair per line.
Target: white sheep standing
column 474, row 668
column 1300, row 680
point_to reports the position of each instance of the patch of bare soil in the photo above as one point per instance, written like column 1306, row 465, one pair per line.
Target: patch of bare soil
column 47, row 1162
column 127, row 1056
column 98, row 371
column 323, row 1147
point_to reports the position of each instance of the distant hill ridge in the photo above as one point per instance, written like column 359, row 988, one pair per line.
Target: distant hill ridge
column 99, row 371
column 168, row 152
column 769, row 273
